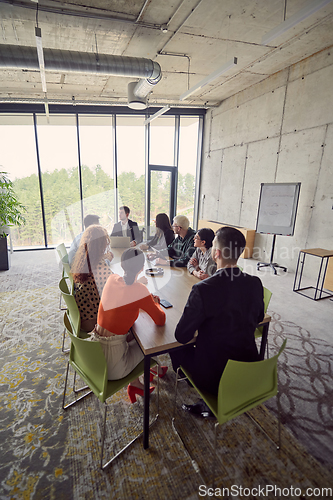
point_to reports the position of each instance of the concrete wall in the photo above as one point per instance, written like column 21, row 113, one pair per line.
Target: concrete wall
column 280, row 130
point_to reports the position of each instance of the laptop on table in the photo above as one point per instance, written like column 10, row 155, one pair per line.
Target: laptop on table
column 120, row 241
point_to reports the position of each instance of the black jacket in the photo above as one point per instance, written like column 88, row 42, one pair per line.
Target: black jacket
column 225, row 309
column 132, row 230
column 182, row 249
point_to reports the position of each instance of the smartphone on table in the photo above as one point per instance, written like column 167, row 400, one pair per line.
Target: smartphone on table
column 165, row 303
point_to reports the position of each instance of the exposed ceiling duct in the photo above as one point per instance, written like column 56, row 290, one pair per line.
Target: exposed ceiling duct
column 14, row 56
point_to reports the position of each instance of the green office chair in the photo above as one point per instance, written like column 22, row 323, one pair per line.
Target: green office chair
column 88, row 361
column 66, row 270
column 243, row 386
column 267, row 298
column 61, row 249
column 72, row 309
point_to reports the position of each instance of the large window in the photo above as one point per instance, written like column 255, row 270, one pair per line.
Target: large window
column 130, row 133
column 96, row 155
column 187, row 163
column 18, row 158
column 80, row 162
column 58, row 155
column 162, row 141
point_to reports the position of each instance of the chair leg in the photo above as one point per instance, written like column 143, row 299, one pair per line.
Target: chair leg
column 81, row 388
column 175, row 400
column 103, row 467
column 263, row 430
column 178, row 379
column 279, row 418
column 65, row 388
column 63, row 343
column 173, row 423
column 64, row 396
column 215, row 453
column 158, row 396
column 158, row 403
column 103, row 435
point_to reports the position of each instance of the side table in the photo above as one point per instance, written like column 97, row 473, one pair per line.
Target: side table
column 318, row 289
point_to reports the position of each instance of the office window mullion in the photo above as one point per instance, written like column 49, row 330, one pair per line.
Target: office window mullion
column 40, row 182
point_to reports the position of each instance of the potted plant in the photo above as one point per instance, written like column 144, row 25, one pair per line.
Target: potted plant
column 10, row 215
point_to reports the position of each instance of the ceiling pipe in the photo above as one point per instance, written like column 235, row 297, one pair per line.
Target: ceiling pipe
column 20, row 57
column 79, row 102
column 76, row 11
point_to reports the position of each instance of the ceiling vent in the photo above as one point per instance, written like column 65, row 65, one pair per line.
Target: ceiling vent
column 149, row 72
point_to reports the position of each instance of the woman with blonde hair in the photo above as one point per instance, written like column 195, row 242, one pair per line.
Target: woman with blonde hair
column 90, row 272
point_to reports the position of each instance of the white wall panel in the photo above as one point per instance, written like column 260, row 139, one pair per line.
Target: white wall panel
column 299, row 161
column 285, row 140
column 210, row 183
column 231, row 185
column 320, row 232
column 252, row 121
column 260, row 167
column 309, row 101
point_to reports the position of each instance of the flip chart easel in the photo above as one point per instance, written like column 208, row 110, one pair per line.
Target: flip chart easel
column 277, row 214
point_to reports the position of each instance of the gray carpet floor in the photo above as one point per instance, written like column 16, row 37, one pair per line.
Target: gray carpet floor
column 32, row 318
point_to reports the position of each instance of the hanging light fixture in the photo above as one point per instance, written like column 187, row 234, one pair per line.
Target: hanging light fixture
column 40, row 55
column 310, row 8
column 158, row 113
column 209, row 78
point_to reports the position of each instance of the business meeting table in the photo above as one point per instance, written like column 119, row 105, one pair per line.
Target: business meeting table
column 173, row 285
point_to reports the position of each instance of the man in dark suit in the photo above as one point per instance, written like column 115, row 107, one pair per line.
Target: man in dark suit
column 126, row 227
column 225, row 310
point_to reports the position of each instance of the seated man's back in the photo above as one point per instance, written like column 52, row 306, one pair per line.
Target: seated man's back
column 225, row 310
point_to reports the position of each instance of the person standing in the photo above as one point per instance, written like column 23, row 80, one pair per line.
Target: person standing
column 126, row 227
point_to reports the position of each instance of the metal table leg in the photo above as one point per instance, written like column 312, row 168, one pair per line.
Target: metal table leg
column 146, row 402
column 263, row 340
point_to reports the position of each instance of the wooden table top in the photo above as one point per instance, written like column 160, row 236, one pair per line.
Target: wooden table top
column 318, row 252
column 175, row 286
column 154, row 339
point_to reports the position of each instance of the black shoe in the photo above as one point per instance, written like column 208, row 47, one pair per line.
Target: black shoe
column 207, row 413
column 194, row 409
column 199, row 409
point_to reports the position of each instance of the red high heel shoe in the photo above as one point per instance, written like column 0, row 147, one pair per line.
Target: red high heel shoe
column 161, row 375
column 133, row 391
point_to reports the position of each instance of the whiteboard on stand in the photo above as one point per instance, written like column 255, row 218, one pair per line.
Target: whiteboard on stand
column 278, row 208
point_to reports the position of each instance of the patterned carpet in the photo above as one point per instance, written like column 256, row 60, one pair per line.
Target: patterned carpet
column 305, row 377
column 48, row 453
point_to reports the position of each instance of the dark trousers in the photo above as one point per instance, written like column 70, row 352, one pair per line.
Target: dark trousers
column 185, row 356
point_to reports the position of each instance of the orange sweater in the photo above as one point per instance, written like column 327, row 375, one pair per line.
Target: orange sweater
column 120, row 304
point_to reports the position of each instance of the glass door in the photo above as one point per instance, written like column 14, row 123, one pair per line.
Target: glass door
column 162, row 182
